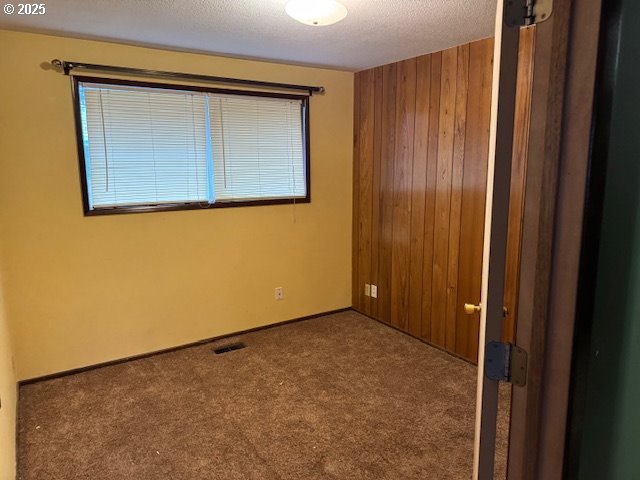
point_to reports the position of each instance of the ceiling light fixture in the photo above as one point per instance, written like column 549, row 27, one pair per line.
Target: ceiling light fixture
column 316, row 13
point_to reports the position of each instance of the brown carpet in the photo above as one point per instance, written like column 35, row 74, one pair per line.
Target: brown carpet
column 337, row 397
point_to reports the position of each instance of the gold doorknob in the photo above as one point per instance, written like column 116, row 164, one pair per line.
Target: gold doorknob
column 470, row 308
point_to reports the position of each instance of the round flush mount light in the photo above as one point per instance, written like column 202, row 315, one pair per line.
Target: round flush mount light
column 316, row 13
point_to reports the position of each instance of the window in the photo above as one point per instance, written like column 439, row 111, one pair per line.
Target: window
column 159, row 147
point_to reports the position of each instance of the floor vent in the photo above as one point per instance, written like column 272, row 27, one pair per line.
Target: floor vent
column 229, row 348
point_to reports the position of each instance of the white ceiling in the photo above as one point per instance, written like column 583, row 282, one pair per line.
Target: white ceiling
column 374, row 33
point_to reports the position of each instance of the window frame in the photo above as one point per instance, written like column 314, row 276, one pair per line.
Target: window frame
column 167, row 207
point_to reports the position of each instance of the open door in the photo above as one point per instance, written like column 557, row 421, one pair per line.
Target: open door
column 498, row 358
column 558, row 155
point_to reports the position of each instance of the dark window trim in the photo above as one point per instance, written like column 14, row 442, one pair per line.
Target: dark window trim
column 168, row 207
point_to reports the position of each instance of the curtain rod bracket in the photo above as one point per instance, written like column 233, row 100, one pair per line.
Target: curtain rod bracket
column 65, row 67
column 58, row 65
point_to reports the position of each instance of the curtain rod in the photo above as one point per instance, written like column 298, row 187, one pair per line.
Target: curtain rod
column 66, row 68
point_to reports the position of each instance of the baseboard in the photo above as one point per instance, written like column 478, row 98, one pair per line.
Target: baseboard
column 427, row 342
column 75, row 371
column 17, row 429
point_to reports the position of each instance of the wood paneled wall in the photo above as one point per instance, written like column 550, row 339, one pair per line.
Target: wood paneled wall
column 421, row 136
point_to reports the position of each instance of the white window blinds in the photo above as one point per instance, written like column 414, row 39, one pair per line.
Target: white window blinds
column 146, row 146
column 257, row 147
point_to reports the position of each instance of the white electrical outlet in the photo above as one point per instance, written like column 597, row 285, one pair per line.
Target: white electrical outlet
column 279, row 293
column 367, row 289
column 374, row 291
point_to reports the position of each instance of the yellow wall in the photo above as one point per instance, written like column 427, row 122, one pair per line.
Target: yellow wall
column 81, row 290
column 8, row 397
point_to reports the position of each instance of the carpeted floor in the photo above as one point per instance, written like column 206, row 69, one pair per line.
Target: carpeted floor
column 337, row 397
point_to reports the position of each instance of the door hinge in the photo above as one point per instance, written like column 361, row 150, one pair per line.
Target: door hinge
column 505, row 362
column 521, row 13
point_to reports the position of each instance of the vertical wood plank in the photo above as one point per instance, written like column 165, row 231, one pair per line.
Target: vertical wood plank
column 387, row 154
column 518, row 175
column 355, row 231
column 405, row 117
column 473, row 194
column 430, row 193
column 367, row 112
column 377, row 166
column 443, row 196
column 418, row 191
column 462, row 88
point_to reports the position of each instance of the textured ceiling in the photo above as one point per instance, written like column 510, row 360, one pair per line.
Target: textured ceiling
column 374, row 33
